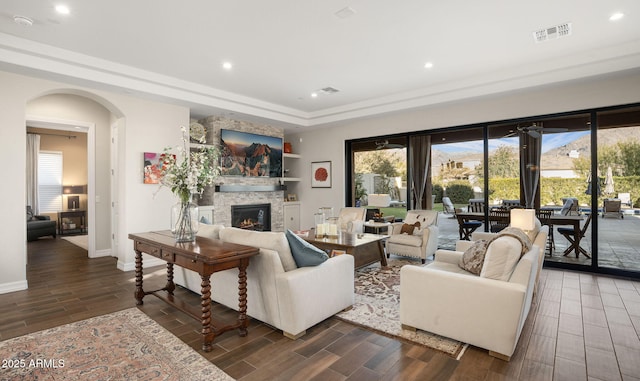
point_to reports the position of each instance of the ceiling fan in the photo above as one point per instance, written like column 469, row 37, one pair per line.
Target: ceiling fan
column 534, row 130
column 386, row 145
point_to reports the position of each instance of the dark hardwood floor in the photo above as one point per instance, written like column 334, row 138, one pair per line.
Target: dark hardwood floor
column 582, row 327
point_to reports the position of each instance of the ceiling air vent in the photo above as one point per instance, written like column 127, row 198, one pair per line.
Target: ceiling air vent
column 329, row 90
column 552, row 32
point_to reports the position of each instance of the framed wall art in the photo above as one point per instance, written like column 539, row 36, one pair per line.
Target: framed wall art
column 152, row 167
column 321, row 174
column 247, row 154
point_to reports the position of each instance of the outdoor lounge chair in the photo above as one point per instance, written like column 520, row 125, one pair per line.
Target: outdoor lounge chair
column 612, row 208
column 447, row 206
column 569, row 206
column 625, row 199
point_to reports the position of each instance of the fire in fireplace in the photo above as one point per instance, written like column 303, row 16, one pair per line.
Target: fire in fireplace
column 251, row 217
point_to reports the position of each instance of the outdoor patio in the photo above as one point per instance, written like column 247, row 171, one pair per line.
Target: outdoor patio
column 619, row 241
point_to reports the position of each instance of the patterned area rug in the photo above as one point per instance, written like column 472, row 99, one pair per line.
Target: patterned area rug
column 125, row 345
column 377, row 306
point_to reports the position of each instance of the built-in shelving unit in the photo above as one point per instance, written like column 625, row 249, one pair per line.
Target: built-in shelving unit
column 288, row 177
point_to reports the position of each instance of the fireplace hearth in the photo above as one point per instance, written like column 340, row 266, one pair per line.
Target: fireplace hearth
column 251, row 217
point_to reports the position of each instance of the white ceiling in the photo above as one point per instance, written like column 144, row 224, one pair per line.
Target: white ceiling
column 283, row 50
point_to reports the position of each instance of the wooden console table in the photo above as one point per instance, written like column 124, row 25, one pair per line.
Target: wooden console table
column 204, row 256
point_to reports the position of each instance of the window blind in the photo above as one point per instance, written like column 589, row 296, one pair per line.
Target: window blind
column 50, row 182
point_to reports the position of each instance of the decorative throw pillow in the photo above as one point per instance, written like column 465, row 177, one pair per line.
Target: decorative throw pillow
column 408, row 229
column 501, row 257
column 304, row 253
column 473, row 257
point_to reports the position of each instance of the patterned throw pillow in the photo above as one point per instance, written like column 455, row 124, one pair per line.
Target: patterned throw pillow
column 473, row 257
column 408, row 229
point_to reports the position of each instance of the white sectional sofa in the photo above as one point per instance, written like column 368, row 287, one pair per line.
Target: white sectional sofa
column 278, row 293
column 485, row 310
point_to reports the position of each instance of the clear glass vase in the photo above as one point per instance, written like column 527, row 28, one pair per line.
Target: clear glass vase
column 184, row 221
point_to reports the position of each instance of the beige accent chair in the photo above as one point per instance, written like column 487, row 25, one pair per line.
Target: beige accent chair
column 486, row 310
column 422, row 243
column 351, row 219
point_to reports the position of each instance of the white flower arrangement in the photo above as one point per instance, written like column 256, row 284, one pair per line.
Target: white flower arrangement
column 198, row 168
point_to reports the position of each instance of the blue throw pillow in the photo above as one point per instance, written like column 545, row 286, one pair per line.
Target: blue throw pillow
column 304, row 253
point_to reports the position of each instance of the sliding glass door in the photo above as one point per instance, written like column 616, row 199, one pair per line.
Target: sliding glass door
column 619, row 201
column 583, row 168
column 379, row 175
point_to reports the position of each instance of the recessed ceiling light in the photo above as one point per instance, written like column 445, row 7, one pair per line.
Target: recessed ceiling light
column 22, row 20
column 63, row 9
column 314, row 95
column 428, row 65
column 345, row 12
column 616, row 16
column 227, row 65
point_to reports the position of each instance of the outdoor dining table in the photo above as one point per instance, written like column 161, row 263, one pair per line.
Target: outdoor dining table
column 554, row 220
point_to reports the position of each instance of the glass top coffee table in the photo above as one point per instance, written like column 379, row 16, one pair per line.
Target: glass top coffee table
column 365, row 248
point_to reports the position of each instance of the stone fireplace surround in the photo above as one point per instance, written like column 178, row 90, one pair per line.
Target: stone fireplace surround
column 223, row 200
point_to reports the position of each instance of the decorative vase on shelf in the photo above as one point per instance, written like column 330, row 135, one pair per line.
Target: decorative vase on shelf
column 184, row 220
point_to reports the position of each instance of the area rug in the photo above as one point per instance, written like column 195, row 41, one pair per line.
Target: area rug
column 78, row 240
column 377, row 307
column 125, row 345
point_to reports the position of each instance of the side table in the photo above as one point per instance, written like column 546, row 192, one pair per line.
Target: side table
column 78, row 214
column 376, row 227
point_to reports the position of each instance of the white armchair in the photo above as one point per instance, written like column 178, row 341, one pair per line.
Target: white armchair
column 422, row 242
column 351, row 219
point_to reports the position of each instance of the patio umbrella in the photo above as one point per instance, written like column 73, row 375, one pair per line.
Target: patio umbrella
column 589, row 185
column 608, row 182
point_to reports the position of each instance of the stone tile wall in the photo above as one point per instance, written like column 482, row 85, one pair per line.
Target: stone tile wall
column 222, row 201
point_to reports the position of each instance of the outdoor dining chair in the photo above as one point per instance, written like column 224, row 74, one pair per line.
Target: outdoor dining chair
column 570, row 234
column 498, row 219
column 544, row 215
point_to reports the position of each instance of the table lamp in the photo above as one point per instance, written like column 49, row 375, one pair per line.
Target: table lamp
column 523, row 219
column 72, row 192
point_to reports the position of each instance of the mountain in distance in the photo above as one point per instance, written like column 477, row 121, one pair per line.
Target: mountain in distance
column 254, row 160
column 554, row 159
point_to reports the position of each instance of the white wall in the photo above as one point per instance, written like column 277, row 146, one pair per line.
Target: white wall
column 328, row 144
column 148, row 126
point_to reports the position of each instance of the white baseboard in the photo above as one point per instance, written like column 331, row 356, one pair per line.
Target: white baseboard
column 13, row 286
column 131, row 266
column 101, row 253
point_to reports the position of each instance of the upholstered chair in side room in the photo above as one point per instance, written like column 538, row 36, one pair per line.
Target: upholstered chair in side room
column 416, row 237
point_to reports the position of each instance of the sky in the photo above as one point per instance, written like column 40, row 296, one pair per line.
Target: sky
column 549, row 142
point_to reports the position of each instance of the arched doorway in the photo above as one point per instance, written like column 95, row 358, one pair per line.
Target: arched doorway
column 81, row 111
